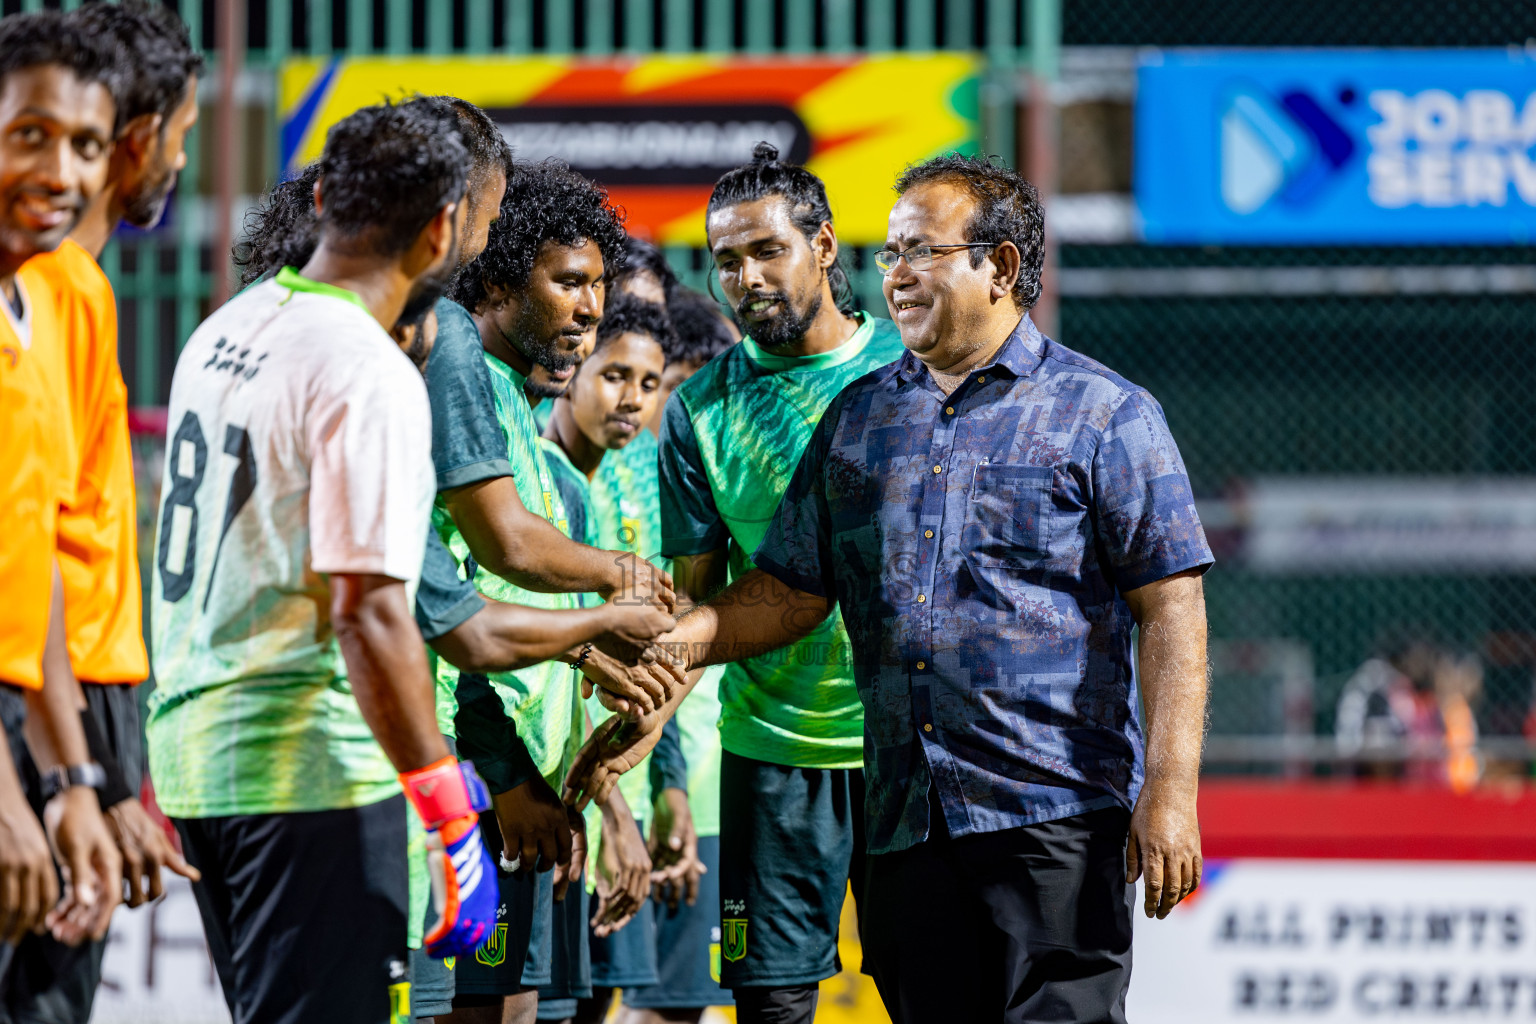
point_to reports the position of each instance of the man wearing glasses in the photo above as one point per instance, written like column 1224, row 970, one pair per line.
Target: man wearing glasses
column 993, row 513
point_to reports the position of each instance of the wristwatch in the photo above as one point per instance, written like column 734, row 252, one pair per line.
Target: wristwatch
column 61, row 777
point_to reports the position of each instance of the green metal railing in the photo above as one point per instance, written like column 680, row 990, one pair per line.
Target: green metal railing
column 164, row 279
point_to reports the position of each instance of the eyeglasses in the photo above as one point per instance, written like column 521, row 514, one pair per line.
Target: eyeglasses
column 920, row 257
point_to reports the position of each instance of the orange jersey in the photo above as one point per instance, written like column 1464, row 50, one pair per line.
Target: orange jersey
column 98, row 530
column 38, row 451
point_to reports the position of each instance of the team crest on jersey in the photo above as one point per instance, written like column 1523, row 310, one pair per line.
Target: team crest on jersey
column 734, row 944
column 493, row 951
column 629, row 532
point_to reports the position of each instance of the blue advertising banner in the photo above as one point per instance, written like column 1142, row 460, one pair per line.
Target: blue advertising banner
column 1339, row 146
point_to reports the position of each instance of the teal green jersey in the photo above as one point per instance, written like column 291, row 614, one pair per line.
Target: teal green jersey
column 731, row 436
column 542, row 699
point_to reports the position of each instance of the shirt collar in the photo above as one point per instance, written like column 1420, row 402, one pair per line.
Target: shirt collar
column 849, row 349
column 292, row 280
column 1020, row 355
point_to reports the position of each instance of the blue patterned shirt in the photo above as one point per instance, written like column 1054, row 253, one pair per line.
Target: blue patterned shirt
column 979, row 546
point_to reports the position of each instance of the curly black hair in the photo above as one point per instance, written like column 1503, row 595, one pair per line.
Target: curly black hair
column 162, row 61
column 642, row 257
column 1007, row 209
column 46, row 37
column 699, row 325
column 545, row 202
column 386, row 171
column 803, row 193
column 626, row 314
column 282, row 231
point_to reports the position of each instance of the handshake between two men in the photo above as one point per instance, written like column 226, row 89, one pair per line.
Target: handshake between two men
column 631, row 670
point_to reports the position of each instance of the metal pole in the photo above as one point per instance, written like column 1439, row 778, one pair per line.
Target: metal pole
column 226, row 154
column 1041, row 127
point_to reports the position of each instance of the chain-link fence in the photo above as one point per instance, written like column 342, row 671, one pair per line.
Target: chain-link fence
column 1402, row 406
column 1357, row 424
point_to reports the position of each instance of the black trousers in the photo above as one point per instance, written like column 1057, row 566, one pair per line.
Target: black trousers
column 1030, row 924
column 305, row 913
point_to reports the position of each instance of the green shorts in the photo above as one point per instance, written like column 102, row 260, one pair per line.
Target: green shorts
column 791, row 841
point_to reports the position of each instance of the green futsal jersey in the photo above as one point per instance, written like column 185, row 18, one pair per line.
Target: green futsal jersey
column 542, row 699
column 731, row 436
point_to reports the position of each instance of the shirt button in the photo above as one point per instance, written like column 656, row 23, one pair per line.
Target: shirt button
column 928, row 534
column 921, row 598
column 982, row 379
column 922, row 665
column 927, row 727
column 949, row 410
column 938, row 469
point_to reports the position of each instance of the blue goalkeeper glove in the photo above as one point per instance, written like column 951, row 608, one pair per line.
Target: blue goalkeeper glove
column 449, row 796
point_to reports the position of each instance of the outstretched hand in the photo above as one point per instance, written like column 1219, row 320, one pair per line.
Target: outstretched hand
column 28, row 886
column 535, row 829
column 623, row 876
column 641, row 582
column 674, row 848
column 631, row 689
column 631, row 629
column 146, row 849
column 614, row 747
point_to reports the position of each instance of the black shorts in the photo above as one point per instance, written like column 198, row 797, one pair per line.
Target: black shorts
column 43, row 981
column 688, row 947
column 306, row 913
column 1029, row 924
column 791, row 840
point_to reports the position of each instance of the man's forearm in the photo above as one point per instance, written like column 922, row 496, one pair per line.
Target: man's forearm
column 753, row 616
column 523, row 548
column 54, row 733
column 1172, row 648
column 504, row 637
column 387, row 668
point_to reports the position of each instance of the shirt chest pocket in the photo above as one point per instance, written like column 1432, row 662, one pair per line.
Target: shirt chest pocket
column 1007, row 516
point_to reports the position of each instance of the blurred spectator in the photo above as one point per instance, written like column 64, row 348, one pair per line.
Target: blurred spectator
column 646, row 274
column 1407, row 714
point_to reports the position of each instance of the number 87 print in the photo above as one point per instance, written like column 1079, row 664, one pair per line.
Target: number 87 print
column 177, row 557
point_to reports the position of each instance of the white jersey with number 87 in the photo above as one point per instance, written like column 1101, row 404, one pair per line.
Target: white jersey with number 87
column 298, row 445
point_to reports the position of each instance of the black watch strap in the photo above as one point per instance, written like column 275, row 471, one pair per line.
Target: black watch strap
column 61, row 777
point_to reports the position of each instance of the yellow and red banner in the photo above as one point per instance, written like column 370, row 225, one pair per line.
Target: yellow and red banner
column 658, row 131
